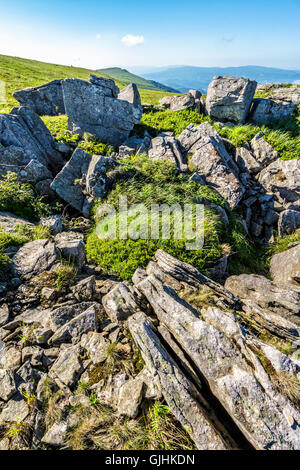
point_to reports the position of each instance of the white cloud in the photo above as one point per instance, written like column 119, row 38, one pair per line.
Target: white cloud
column 98, row 36
column 129, row 40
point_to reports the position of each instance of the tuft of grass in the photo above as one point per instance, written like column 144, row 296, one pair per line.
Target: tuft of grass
column 65, row 275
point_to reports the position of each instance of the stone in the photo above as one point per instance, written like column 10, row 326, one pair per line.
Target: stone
column 24, row 129
column 90, row 110
column 35, row 171
column 10, row 358
column 107, row 85
column 68, row 367
column 246, row 161
column 34, row 257
column 53, row 223
column 178, row 103
column 198, row 179
column 263, row 153
column 83, row 180
column 71, row 248
column 9, row 222
column 57, row 317
column 44, row 100
column 281, row 103
column 282, row 178
column 288, row 222
column 56, row 434
column 132, row 95
column 43, row 188
column 229, row 98
column 167, row 148
column 130, row 397
column 7, row 384
column 74, row 329
column 15, row 410
column 96, row 346
column 34, row 355
column 121, row 302
column 285, row 266
column 4, row 314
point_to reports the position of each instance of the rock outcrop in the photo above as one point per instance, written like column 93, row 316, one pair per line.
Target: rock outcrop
column 285, row 266
column 44, row 100
column 281, row 102
column 192, row 99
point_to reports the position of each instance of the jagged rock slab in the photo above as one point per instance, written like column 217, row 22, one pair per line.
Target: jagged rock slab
column 230, row 98
column 282, row 177
column 285, row 266
column 168, row 148
column 219, row 358
column 246, row 161
column 177, row 390
column 44, row 100
column 72, row 248
column 96, row 346
column 68, row 367
column 263, row 153
column 288, row 222
column 9, row 222
column 122, row 301
column 15, row 410
column 179, row 103
column 90, row 110
column 132, row 95
column 107, row 85
column 34, row 257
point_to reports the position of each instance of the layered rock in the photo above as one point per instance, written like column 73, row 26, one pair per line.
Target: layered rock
column 44, row 100
column 285, row 266
column 281, row 102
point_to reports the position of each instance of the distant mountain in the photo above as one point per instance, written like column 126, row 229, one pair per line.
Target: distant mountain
column 184, row 78
column 126, row 77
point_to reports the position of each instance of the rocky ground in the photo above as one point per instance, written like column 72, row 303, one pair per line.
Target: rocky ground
column 170, row 358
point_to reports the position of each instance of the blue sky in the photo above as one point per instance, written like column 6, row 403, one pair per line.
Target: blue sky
column 96, row 33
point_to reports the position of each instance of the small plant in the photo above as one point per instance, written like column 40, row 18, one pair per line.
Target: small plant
column 65, row 275
column 16, row 429
column 29, row 397
column 93, row 398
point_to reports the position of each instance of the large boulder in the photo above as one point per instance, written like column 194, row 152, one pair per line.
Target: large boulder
column 107, row 85
column 289, row 221
column 44, row 100
column 263, row 152
column 285, row 266
column 35, row 257
column 230, row 98
column 132, row 95
column 282, row 177
column 280, row 103
column 89, row 109
column 179, row 103
column 24, row 129
column 83, row 180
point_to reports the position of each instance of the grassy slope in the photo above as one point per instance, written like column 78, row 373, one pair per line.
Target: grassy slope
column 21, row 73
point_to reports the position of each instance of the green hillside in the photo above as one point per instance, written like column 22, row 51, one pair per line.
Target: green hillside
column 127, row 77
column 20, row 73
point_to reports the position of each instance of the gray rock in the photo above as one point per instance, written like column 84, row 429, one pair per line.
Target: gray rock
column 56, row 434
column 288, row 222
column 230, row 98
column 34, row 257
column 263, row 153
column 285, row 266
column 179, row 103
column 53, row 223
column 68, row 367
column 280, row 104
column 198, row 179
column 96, row 346
column 9, row 222
column 44, row 100
column 282, row 177
column 85, row 289
column 83, row 180
column 246, row 161
column 7, row 384
column 90, row 110
column 71, row 248
column 107, row 85
column 73, row 330
column 130, row 397
column 58, row 317
column 132, row 95
column 35, row 171
column 15, row 410
column 121, row 302
column 4, row 314
column 167, row 148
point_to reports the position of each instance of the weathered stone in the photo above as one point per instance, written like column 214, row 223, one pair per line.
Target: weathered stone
column 263, row 153
column 167, row 148
column 132, row 95
column 10, row 358
column 35, row 171
column 246, row 161
column 56, row 434
column 68, row 367
column 90, row 110
column 59, row 316
column 34, row 355
column 85, row 289
column 108, row 86
column 179, row 103
column 285, row 266
column 44, row 100
column 15, row 410
column 280, row 104
column 230, row 98
column 71, row 248
column 4, row 314
column 96, row 346
column 9, row 222
column 83, row 180
column 34, row 258
column 282, row 177
column 7, row 384
column 73, row 330
column 288, row 222
column 130, row 397
column 53, row 223
column 121, row 302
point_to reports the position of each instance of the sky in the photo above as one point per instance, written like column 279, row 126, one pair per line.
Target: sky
column 126, row 33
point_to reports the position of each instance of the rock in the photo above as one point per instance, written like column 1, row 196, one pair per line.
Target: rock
column 280, row 299
column 43, row 188
column 108, row 86
column 9, row 222
column 178, row 103
column 288, row 222
column 262, row 151
column 85, row 289
column 53, row 223
column 280, row 104
column 135, row 145
column 198, row 179
column 132, row 95
column 96, row 346
column 168, row 148
column 55, row 435
column 10, row 359
column 246, row 161
column 15, row 410
column 24, row 129
column 285, row 266
column 7, row 384
column 230, row 98
column 27, row 378
column 121, row 302
column 74, row 329
column 83, row 180
column 63, row 314
column 68, row 367
column 178, row 392
column 35, row 171
column 130, row 397
column 34, row 355
column 71, row 247
column 90, row 110
column 44, row 100
column 282, row 177
column 4, row 314
column 34, row 257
